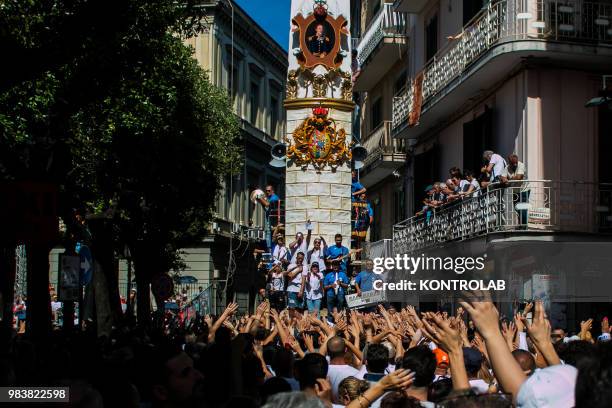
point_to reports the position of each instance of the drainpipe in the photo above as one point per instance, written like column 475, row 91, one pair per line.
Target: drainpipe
column 408, row 185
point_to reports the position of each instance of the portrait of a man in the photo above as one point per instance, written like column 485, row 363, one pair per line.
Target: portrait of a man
column 319, row 40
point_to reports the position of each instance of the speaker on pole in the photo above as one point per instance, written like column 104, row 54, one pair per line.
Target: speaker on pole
column 360, row 153
column 279, row 153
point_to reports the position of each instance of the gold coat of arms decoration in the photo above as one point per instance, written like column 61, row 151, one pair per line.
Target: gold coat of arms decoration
column 317, row 141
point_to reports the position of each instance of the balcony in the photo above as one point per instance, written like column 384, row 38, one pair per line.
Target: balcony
column 410, row 6
column 547, row 207
column 573, row 33
column 385, row 154
column 386, row 40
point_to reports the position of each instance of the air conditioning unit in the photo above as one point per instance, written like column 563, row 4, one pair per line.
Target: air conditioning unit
column 256, row 234
column 236, row 229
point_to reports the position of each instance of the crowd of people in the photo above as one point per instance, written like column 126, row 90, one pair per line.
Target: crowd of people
column 496, row 172
column 389, row 357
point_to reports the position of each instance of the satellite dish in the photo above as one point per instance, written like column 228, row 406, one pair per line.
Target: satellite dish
column 279, row 151
column 360, row 153
column 278, row 163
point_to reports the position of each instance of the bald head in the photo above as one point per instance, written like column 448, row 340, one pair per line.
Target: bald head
column 336, row 347
column 525, row 360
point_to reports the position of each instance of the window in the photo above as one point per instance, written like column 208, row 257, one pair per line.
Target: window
column 431, row 38
column 273, row 115
column 376, row 7
column 376, row 113
column 398, row 206
column 235, row 80
column 476, row 139
column 471, row 8
column 254, row 102
column 400, row 82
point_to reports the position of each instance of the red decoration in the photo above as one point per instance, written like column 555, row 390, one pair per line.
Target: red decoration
column 320, row 111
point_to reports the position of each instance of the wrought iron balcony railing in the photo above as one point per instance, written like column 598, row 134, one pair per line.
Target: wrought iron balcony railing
column 380, row 141
column 502, row 21
column 531, row 205
column 387, row 22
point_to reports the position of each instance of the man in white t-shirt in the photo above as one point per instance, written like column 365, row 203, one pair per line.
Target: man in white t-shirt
column 338, row 370
column 295, row 271
column 495, row 166
column 300, row 244
column 512, row 176
column 280, row 252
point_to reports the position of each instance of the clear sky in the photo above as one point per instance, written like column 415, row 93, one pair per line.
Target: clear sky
column 272, row 16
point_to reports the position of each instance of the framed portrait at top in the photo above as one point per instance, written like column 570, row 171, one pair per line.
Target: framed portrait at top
column 322, row 39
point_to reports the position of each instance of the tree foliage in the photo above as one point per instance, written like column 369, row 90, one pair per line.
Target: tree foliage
column 105, row 100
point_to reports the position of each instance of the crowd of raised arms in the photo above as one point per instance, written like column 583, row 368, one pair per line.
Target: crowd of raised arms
column 495, row 172
column 387, row 357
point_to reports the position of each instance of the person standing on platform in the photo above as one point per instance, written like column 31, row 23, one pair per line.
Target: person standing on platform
column 336, row 282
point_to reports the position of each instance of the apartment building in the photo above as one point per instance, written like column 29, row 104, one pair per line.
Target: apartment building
column 380, row 36
column 241, row 57
column 512, row 76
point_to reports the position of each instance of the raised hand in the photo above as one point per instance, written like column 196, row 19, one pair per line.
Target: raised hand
column 441, row 331
column 539, row 331
column 485, row 317
column 605, row 325
column 309, row 342
column 398, row 380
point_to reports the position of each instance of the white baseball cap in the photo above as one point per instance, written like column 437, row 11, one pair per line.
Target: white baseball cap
column 550, row 387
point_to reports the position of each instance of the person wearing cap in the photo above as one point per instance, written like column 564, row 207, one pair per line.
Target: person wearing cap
column 442, row 364
column 312, row 287
column 276, row 282
column 280, row 252
column 472, row 359
column 335, row 283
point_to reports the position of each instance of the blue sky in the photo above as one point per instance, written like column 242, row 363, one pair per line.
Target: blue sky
column 272, row 16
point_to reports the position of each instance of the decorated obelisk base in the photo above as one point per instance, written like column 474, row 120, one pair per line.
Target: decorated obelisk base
column 319, row 113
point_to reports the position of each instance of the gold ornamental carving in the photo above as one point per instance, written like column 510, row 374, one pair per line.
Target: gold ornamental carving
column 317, row 141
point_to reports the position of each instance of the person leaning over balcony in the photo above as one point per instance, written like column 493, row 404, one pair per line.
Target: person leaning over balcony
column 494, row 167
column 356, row 187
column 474, row 188
column 512, row 177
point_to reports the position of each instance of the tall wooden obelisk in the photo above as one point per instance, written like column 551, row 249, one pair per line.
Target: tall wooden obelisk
column 319, row 110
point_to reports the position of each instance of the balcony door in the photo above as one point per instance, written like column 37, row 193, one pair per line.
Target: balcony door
column 477, row 137
column 425, row 173
column 471, row 8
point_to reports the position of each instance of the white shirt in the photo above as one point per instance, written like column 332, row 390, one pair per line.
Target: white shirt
column 480, row 386
column 278, row 282
column 463, row 185
column 314, row 288
column 337, row 373
column 296, row 282
column 498, row 164
column 303, row 247
column 280, row 253
column 476, row 192
column 317, row 255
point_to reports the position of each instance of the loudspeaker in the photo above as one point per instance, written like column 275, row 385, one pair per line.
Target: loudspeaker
column 360, row 153
column 279, row 151
column 278, row 163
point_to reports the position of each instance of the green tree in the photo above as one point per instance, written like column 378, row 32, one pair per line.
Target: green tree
column 122, row 119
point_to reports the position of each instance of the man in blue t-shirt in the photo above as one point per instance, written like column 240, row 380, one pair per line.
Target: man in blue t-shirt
column 365, row 279
column 335, row 284
column 271, row 204
column 338, row 254
column 356, row 187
